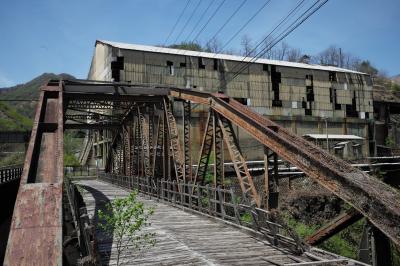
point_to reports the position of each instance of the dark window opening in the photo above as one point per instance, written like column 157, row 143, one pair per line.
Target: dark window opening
column 215, row 64
column 351, row 109
column 308, row 112
column 332, row 76
column 331, row 99
column 182, row 64
column 366, row 115
column 276, row 103
column 310, row 93
column 275, row 80
column 303, row 104
column 201, row 63
column 265, row 67
column 116, row 66
column 241, row 100
column 170, row 65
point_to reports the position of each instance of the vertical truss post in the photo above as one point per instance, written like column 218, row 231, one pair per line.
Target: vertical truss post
column 273, row 180
column 144, row 126
column 266, row 179
column 166, row 148
column 205, row 150
column 374, row 247
column 218, row 153
column 177, row 155
column 186, row 139
column 242, row 171
column 157, row 148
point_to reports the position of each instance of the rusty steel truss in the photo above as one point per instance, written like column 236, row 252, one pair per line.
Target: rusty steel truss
column 146, row 142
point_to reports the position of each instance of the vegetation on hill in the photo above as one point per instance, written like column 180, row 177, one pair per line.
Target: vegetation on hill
column 28, row 91
column 18, row 116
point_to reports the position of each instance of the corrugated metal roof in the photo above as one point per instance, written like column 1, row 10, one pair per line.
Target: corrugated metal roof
column 333, row 136
column 155, row 49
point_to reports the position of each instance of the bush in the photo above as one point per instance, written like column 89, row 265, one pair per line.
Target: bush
column 123, row 220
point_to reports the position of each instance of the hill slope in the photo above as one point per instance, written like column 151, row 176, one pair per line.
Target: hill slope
column 18, row 115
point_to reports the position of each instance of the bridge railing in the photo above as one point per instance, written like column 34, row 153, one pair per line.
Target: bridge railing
column 10, row 174
column 84, row 228
column 213, row 201
column 80, row 170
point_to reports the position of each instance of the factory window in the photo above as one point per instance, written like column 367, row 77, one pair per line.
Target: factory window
column 241, row 100
column 308, row 112
column 351, row 109
column 310, row 93
column 275, row 80
column 170, row 65
column 215, row 64
column 182, row 64
column 332, row 76
column 116, row 66
column 333, row 98
column 265, row 67
column 201, row 63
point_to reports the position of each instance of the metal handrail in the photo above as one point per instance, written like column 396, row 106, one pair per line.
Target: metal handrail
column 213, row 201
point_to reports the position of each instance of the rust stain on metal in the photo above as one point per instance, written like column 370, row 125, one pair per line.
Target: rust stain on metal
column 36, row 231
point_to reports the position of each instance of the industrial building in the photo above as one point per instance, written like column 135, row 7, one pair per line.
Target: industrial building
column 306, row 98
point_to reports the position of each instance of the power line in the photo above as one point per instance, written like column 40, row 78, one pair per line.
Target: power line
column 288, row 30
column 198, row 21
column 291, row 12
column 176, row 23
column 284, row 34
column 227, row 21
column 245, row 24
column 209, row 19
column 187, row 21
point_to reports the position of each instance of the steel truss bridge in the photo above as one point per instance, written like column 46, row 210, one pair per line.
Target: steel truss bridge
column 146, row 144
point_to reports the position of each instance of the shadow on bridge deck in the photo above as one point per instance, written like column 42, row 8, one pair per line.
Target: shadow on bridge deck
column 100, row 200
column 185, row 237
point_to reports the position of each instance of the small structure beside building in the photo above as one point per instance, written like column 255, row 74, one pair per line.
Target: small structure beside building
column 347, row 147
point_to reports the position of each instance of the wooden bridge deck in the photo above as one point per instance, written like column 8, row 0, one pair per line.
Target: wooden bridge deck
column 185, row 238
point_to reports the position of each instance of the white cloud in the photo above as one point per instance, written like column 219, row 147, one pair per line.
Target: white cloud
column 5, row 82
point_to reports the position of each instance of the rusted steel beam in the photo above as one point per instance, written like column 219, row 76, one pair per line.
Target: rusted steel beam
column 379, row 202
column 186, row 139
column 36, row 231
column 177, row 155
column 239, row 163
column 340, row 223
column 205, row 150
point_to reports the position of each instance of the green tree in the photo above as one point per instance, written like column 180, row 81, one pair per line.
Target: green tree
column 191, row 46
column 124, row 219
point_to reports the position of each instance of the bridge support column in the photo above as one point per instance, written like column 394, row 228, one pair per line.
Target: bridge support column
column 271, row 179
column 374, row 247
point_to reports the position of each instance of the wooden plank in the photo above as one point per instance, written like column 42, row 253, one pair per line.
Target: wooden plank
column 183, row 237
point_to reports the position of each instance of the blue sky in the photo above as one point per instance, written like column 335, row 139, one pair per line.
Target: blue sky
column 59, row 36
